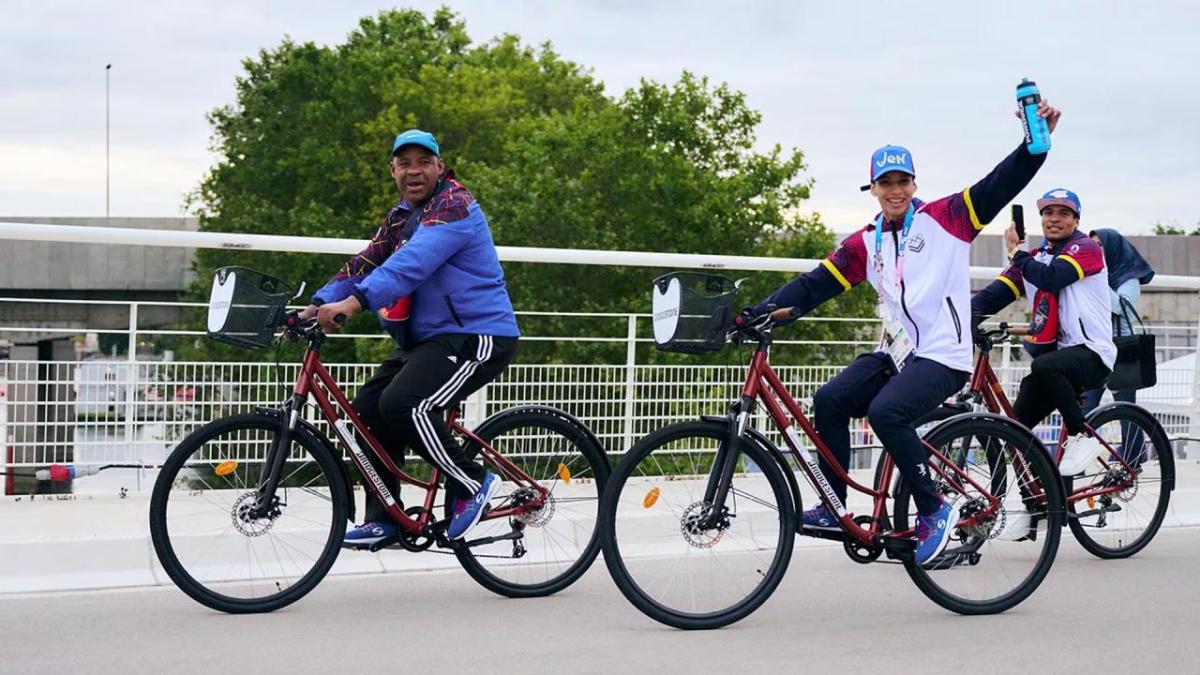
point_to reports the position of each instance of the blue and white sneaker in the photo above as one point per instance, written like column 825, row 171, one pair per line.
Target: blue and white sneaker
column 468, row 511
column 933, row 532
column 368, row 533
column 819, row 518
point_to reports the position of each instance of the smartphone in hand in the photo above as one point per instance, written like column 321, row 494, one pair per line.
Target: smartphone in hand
column 1018, row 219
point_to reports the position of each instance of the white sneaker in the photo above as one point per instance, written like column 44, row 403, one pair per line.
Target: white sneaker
column 1078, row 452
column 1017, row 525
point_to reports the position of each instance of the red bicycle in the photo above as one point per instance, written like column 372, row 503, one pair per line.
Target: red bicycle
column 698, row 519
column 1117, row 506
column 249, row 511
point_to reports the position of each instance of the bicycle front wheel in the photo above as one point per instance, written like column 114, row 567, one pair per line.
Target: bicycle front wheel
column 1011, row 509
column 210, row 541
column 1118, row 506
column 667, row 556
column 556, row 542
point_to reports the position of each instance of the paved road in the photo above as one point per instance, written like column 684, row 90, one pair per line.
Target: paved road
column 1136, row 615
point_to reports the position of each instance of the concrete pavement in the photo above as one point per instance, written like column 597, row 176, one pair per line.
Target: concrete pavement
column 1135, row 615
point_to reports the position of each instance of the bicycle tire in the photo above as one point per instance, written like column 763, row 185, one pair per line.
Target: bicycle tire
column 1016, row 439
column 1165, row 458
column 251, row 425
column 695, row 434
column 590, row 465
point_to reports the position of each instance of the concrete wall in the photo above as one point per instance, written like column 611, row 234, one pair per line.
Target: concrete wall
column 1167, row 254
column 46, row 266
column 90, row 272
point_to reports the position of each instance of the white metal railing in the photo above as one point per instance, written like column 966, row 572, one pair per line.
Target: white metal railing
column 76, row 234
column 154, row 403
column 133, row 411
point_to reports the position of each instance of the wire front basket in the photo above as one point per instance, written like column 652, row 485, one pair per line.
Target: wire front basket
column 246, row 307
column 692, row 312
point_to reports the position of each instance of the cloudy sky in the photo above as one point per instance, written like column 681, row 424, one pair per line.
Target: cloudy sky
column 835, row 79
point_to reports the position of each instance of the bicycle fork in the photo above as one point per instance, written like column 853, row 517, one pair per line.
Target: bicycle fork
column 277, row 456
column 725, row 464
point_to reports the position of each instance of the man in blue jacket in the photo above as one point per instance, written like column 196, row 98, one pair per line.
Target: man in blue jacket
column 432, row 274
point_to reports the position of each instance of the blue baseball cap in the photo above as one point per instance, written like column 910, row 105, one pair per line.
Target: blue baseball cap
column 416, row 137
column 1061, row 197
column 890, row 158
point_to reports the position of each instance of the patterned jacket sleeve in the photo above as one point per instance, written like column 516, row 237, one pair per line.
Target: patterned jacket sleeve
column 1081, row 258
column 999, row 294
column 964, row 214
column 450, row 225
column 843, row 269
column 366, row 261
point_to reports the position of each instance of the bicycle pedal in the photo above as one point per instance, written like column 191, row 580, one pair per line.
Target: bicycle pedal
column 898, row 548
column 384, row 543
column 833, row 535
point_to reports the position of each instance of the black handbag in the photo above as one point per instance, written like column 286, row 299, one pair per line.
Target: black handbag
column 1135, row 367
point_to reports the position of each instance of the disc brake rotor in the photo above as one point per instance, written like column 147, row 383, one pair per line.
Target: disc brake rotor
column 246, row 524
column 690, row 524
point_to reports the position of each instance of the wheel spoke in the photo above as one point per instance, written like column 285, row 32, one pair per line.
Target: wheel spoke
column 203, row 523
column 667, row 556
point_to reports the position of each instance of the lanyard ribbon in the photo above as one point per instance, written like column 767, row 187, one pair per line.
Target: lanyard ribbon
column 900, row 247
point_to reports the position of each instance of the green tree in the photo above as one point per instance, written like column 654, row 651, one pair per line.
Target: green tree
column 553, row 160
column 667, row 168
column 1159, row 228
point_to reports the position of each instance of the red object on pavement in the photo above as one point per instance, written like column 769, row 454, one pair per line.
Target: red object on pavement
column 61, row 472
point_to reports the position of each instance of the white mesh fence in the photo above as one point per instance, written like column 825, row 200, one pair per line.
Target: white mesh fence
column 118, row 412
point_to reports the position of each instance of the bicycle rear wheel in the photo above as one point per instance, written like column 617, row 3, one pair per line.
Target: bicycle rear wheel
column 666, row 563
column 558, row 541
column 1010, row 502
column 210, row 544
column 1118, row 524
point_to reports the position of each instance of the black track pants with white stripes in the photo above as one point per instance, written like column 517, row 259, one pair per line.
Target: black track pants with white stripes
column 404, row 405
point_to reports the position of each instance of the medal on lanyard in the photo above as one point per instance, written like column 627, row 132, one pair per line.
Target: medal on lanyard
column 895, row 340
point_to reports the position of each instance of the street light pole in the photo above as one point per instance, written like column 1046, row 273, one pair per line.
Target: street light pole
column 107, row 184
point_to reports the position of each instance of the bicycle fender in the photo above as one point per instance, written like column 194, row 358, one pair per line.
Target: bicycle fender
column 1000, row 419
column 770, row 448
column 1156, row 431
column 550, row 410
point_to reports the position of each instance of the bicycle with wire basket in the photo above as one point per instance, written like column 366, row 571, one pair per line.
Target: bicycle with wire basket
column 1116, row 507
column 249, row 511
column 698, row 519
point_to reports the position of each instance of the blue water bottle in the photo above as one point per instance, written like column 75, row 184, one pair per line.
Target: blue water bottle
column 1037, row 132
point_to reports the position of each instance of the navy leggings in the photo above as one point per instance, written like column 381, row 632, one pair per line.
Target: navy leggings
column 869, row 387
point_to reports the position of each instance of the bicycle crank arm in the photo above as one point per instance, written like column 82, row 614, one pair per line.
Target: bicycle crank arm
column 834, row 535
column 511, row 536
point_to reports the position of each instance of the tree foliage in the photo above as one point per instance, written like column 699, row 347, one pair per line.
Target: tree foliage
column 553, row 160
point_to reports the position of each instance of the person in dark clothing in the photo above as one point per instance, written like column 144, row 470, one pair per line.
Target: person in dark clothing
column 1128, row 271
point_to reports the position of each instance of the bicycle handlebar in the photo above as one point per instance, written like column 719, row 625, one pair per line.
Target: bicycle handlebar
column 295, row 328
column 757, row 327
